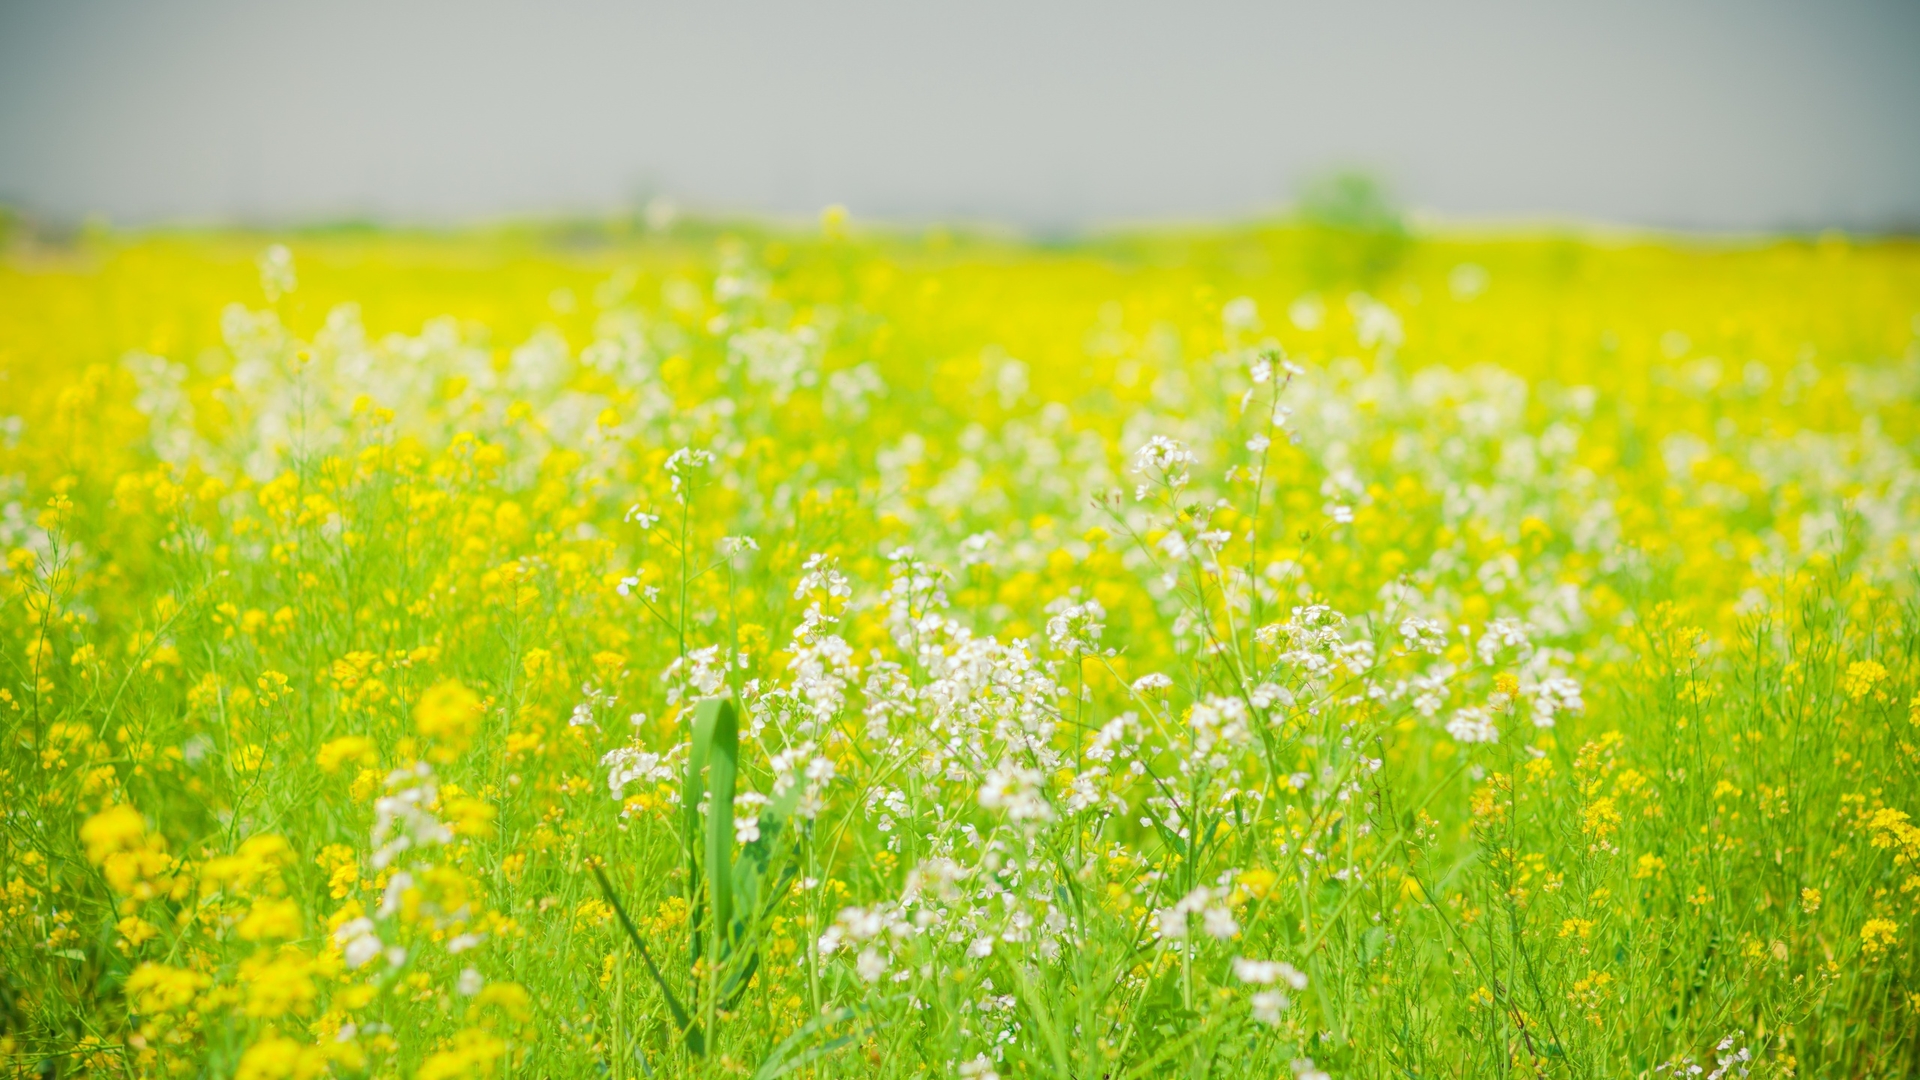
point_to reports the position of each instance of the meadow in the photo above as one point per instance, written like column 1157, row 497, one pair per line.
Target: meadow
column 723, row 650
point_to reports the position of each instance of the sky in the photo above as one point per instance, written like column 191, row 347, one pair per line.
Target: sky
column 1696, row 114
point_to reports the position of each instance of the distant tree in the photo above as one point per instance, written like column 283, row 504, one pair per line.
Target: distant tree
column 1355, row 233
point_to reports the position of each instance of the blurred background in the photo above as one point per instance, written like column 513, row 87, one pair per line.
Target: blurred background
column 1697, row 114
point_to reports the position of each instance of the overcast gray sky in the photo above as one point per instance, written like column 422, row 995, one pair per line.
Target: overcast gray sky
column 1737, row 114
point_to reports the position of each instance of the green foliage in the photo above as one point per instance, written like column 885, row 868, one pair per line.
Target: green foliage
column 1356, row 234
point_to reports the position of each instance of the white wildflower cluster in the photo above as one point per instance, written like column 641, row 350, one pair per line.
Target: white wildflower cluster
column 1017, row 790
column 402, row 818
column 404, row 829
column 1208, row 905
column 1423, row 635
column 1270, row 1001
column 629, row 765
column 821, row 575
column 702, row 673
column 683, row 466
column 914, row 597
column 1473, row 725
column 277, row 278
column 1163, row 461
column 359, row 941
column 1553, row 696
column 851, row 390
column 1504, row 637
column 804, row 767
column 777, row 361
column 1313, row 644
column 821, row 671
column 1220, row 724
column 1074, row 627
column 869, row 933
column 595, row 702
column 978, row 549
column 1727, row 1061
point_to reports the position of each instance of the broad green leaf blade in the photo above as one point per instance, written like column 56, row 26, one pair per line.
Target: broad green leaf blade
column 705, row 717
column 723, row 767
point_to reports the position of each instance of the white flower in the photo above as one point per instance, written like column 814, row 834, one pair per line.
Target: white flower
column 700, row 673
column 1472, row 725
column 1268, row 1005
column 276, row 272
column 1268, row 972
column 976, row 550
column 1016, row 790
column 980, row 1068
column 628, row 765
column 681, row 466
column 401, row 820
column 1215, row 918
column 1218, row 721
column 1219, row 923
column 1423, row 635
column 1552, row 697
column 820, row 575
column 358, row 942
column 1500, row 635
column 1163, row 459
column 1307, row 313
column 1241, row 313
column 746, row 816
column 471, row 982
column 1151, row 682
column 1075, row 628
column 870, row 965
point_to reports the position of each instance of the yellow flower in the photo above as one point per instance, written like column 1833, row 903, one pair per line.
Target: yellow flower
column 270, row 920
column 471, row 817
column 1600, row 819
column 1809, row 900
column 1862, row 677
column 258, row 861
column 1258, row 881
column 592, row 913
column 135, row 931
column 278, row 983
column 1878, row 935
column 449, row 714
column 158, row 988
column 276, row 1057
column 355, row 748
column 117, row 828
column 342, row 867
column 509, row 997
column 474, row 1054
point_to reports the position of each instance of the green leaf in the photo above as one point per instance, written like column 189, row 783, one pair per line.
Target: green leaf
column 715, row 718
column 696, row 1040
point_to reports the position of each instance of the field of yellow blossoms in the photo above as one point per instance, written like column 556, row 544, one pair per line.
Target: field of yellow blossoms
column 836, row 652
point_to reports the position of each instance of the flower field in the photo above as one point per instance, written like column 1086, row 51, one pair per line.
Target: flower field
column 1263, row 652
